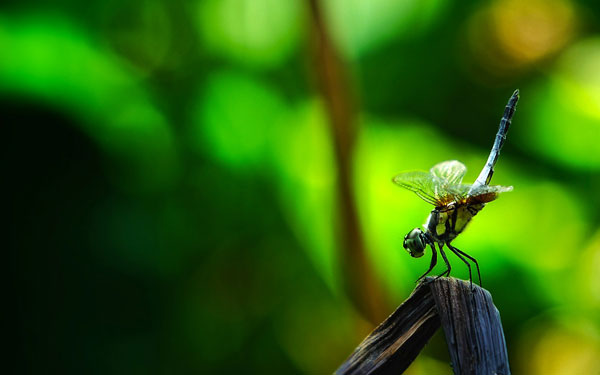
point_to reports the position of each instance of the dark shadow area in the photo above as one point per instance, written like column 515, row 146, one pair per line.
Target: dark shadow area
column 67, row 312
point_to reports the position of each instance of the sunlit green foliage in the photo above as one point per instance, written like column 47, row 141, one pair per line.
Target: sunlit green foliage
column 253, row 32
column 361, row 26
column 577, row 120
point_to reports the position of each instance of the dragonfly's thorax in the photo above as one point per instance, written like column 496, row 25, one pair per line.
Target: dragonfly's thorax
column 445, row 223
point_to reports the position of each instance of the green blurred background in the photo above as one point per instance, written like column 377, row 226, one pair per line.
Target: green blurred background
column 204, row 186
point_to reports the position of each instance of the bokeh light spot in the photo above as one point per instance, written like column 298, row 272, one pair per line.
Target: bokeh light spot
column 565, row 120
column 564, row 342
column 236, row 118
column 260, row 33
column 306, row 178
column 509, row 35
column 361, row 26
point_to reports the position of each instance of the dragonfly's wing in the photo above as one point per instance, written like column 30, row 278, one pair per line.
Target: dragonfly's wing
column 481, row 193
column 422, row 183
column 450, row 172
column 427, row 186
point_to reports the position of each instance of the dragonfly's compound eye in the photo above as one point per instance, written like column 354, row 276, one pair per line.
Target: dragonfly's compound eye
column 414, row 242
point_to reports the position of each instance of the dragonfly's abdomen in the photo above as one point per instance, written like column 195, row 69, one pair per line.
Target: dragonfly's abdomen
column 464, row 215
column 445, row 223
column 436, row 224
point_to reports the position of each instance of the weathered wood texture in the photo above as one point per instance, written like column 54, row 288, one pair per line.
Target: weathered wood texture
column 472, row 327
column 396, row 342
column 468, row 316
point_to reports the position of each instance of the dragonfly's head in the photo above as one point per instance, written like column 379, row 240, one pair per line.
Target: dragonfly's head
column 415, row 242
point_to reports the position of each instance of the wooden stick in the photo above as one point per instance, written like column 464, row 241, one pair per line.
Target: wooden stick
column 468, row 316
column 396, row 342
column 472, row 327
column 334, row 82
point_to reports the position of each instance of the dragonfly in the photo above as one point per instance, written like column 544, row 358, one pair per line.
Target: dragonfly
column 455, row 203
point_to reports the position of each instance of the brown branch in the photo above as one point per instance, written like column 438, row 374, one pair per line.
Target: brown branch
column 470, row 321
column 333, row 83
column 472, row 327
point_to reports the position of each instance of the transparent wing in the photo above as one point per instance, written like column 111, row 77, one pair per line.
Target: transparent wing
column 422, row 183
column 480, row 193
column 456, row 193
column 428, row 187
column 451, row 171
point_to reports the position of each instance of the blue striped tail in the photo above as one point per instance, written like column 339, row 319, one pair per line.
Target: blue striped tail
column 488, row 170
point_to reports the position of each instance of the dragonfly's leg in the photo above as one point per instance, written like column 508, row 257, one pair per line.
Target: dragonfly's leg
column 455, row 251
column 471, row 258
column 433, row 261
column 448, row 267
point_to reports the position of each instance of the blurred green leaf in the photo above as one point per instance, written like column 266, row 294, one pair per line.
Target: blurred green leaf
column 559, row 342
column 361, row 26
column 52, row 60
column 237, row 119
column 565, row 118
column 260, row 33
column 305, row 170
column 247, row 126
